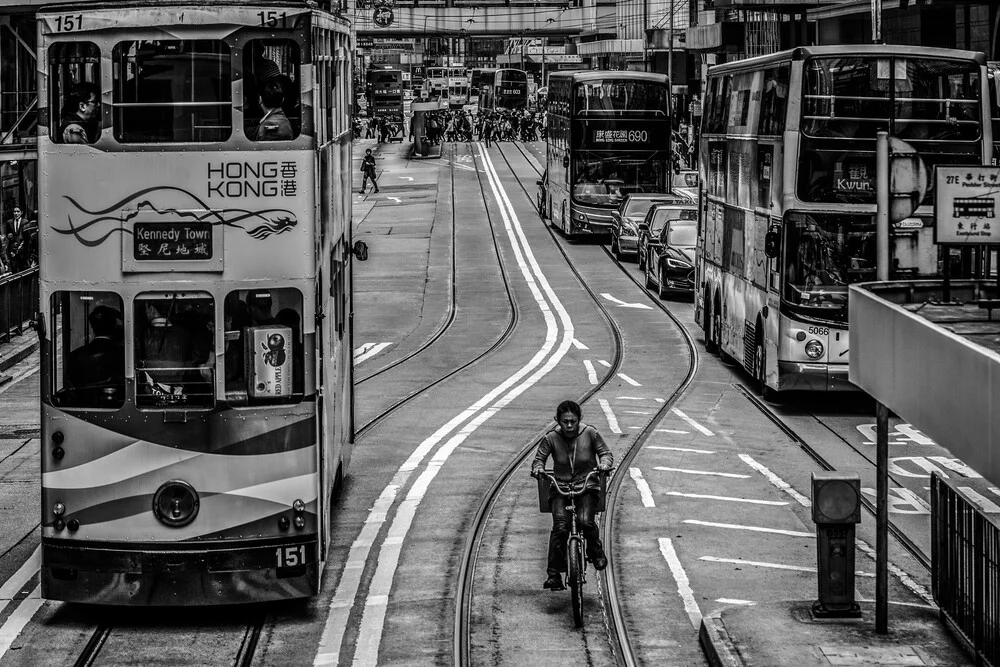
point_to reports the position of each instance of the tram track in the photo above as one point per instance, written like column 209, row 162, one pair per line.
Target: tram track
column 611, row 601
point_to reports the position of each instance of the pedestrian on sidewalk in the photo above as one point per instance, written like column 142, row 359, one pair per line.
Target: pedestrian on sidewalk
column 368, row 169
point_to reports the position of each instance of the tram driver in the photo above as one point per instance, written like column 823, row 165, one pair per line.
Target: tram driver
column 80, row 120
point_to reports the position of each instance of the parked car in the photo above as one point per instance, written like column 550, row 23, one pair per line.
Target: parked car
column 670, row 262
column 685, row 183
column 658, row 216
column 626, row 219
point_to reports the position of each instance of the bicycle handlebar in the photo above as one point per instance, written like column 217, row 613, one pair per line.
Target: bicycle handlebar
column 558, row 485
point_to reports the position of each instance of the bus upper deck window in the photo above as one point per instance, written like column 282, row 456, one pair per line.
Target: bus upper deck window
column 88, row 350
column 172, row 91
column 75, row 94
column 271, row 87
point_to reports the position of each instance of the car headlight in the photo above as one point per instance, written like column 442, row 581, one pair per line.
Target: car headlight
column 628, row 229
column 677, row 264
column 814, row 349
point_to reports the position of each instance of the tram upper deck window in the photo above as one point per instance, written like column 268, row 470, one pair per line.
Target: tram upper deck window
column 88, row 351
column 172, row 91
column 271, row 106
column 75, row 94
column 264, row 348
column 616, row 97
column 174, row 350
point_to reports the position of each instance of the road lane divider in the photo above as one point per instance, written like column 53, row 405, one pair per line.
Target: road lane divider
column 591, row 373
column 756, row 529
column 695, row 425
column 705, row 496
column 610, row 416
column 773, row 566
column 681, row 579
column 644, row 491
column 689, row 450
column 685, row 471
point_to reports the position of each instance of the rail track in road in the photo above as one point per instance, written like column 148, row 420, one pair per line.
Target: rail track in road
column 616, row 627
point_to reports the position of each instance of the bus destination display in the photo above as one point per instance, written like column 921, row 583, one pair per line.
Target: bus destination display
column 172, row 241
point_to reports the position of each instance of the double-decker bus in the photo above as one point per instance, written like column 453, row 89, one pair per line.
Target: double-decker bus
column 788, row 194
column 506, row 88
column 605, row 139
column 196, row 299
column 479, row 77
column 386, row 93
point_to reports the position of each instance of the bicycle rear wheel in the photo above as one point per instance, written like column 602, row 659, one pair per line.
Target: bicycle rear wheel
column 576, row 579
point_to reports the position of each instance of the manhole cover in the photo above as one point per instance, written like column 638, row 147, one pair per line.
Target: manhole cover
column 867, row 655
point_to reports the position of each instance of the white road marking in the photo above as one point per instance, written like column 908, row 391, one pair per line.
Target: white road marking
column 547, row 358
column 23, row 375
column 20, row 579
column 984, row 503
column 644, row 492
column 612, row 420
column 776, row 481
column 702, row 472
column 683, row 584
column 591, row 373
column 695, row 425
column 681, row 449
column 368, row 350
column 630, row 398
column 726, row 498
column 622, row 304
column 629, row 380
column 395, row 199
column 606, row 364
column 409, row 178
column 578, row 345
column 774, row 566
column 636, row 412
column 658, row 400
column 18, row 619
column 745, row 603
column 672, row 430
column 903, row 577
column 956, row 465
column 756, row 529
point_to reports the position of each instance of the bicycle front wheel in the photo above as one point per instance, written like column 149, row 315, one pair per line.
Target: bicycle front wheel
column 576, row 580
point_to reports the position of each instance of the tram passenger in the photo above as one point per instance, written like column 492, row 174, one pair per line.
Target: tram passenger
column 259, row 307
column 274, row 126
column 100, row 363
column 80, row 121
column 576, row 449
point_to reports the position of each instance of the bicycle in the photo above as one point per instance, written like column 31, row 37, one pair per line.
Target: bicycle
column 576, row 544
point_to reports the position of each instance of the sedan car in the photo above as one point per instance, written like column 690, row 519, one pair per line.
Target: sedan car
column 670, row 261
column 658, row 216
column 626, row 220
column 685, row 183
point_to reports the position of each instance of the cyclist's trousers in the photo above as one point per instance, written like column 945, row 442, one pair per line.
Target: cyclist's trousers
column 586, row 508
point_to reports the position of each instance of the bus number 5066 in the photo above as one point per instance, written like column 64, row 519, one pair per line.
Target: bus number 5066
column 292, row 556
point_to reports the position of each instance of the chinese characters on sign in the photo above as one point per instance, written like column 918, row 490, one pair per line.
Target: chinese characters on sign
column 172, row 241
column 967, row 203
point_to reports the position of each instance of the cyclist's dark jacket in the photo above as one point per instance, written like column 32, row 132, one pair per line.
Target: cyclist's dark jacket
column 573, row 459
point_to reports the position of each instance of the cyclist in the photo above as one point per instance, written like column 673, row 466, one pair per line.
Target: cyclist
column 576, row 449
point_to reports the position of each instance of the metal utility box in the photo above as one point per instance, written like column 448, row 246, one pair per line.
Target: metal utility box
column 836, row 509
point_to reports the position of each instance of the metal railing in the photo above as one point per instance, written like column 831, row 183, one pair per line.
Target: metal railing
column 18, row 302
column 965, row 548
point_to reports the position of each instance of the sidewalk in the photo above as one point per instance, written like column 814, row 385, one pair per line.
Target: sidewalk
column 785, row 634
column 16, row 350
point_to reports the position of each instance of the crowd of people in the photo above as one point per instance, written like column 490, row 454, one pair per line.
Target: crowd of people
column 383, row 128
column 461, row 125
column 18, row 243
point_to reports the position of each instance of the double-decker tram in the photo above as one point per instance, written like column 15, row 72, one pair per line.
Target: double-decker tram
column 195, row 327
column 605, row 139
column 505, row 88
column 788, row 194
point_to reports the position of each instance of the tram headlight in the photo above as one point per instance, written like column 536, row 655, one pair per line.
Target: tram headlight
column 176, row 503
column 814, row 349
column 299, row 506
column 300, row 522
column 58, row 509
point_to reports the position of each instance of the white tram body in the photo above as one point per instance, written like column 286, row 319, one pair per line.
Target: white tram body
column 195, row 279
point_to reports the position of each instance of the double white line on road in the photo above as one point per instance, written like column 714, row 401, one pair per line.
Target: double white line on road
column 559, row 337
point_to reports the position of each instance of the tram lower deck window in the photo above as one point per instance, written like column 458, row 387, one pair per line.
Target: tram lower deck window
column 264, row 347
column 88, row 350
column 174, row 350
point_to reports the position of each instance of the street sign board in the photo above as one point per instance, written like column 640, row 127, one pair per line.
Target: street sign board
column 968, row 202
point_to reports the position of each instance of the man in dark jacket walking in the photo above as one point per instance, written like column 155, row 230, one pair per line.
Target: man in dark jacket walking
column 576, row 449
column 368, row 169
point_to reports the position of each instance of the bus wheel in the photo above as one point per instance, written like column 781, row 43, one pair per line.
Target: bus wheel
column 760, row 368
column 717, row 333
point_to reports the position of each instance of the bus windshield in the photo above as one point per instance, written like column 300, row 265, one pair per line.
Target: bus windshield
column 611, row 97
column 600, row 179
column 824, row 254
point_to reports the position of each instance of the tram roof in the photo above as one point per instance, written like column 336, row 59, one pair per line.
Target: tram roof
column 847, row 50
column 76, row 5
column 596, row 75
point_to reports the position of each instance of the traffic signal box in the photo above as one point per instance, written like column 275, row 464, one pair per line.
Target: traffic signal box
column 836, row 509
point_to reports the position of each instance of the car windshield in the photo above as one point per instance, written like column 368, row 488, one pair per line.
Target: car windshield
column 681, row 233
column 824, row 254
column 636, row 208
column 664, row 215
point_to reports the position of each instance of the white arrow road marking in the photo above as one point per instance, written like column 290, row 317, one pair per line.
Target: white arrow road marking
column 683, row 583
column 692, row 422
column 578, row 345
column 368, row 350
column 622, row 304
column 985, row 504
column 644, row 492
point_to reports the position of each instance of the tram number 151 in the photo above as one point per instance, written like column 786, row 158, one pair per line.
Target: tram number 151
column 69, row 22
column 292, row 556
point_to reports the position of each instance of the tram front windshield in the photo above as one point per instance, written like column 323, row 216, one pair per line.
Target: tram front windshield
column 824, row 254
column 604, row 179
